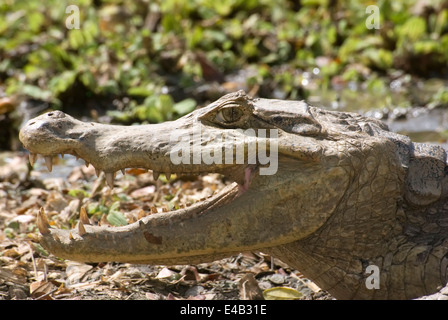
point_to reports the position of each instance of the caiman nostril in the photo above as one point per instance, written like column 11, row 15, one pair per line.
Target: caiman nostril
column 55, row 114
column 31, row 123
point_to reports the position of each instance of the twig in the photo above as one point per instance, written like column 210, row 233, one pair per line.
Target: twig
column 47, row 294
column 128, row 297
column 45, row 271
column 34, row 261
column 243, row 285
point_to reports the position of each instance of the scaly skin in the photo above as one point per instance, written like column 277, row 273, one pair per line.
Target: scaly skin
column 345, row 194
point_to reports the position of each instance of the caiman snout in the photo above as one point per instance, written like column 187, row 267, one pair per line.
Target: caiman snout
column 102, row 145
column 36, row 129
column 47, row 135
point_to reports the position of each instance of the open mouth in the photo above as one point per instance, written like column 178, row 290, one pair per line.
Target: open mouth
column 220, row 197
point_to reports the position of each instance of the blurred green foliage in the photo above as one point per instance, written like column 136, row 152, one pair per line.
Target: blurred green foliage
column 137, row 51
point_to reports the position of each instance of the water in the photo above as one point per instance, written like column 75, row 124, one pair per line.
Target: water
column 401, row 106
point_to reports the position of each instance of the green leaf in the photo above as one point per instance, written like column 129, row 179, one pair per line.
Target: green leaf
column 76, row 38
column 154, row 115
column 115, row 206
column 140, row 91
column 88, row 80
column 441, row 22
column 62, row 82
column 120, row 116
column 426, row 47
column 281, row 293
column 78, row 193
column 115, row 217
column 185, row 106
column 36, row 92
column 380, row 58
column 195, row 37
column 149, row 110
column 413, row 29
column 250, row 48
column 35, row 21
column 39, row 249
column 165, row 105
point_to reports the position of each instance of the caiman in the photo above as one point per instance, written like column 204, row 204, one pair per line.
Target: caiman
column 359, row 210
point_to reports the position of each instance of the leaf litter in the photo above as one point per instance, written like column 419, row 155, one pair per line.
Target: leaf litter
column 27, row 271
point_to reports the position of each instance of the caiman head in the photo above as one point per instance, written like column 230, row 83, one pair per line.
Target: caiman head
column 294, row 167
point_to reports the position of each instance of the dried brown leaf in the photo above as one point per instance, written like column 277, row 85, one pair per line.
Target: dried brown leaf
column 142, row 192
column 136, row 171
column 249, row 289
column 153, row 296
column 42, row 290
column 12, row 253
column 190, row 273
column 165, row 273
column 15, row 276
column 281, row 293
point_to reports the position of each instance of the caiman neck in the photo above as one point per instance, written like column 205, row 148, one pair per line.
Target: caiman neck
column 406, row 243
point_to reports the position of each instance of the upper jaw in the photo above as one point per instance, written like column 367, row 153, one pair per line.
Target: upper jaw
column 107, row 147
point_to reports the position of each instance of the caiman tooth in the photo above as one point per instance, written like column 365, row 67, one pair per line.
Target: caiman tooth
column 123, row 171
column 87, row 163
column 97, row 172
column 110, row 179
column 70, row 236
column 42, row 222
column 62, row 155
column 153, row 209
column 83, row 216
column 81, row 230
column 156, row 175
column 49, row 163
column 33, row 158
column 168, row 176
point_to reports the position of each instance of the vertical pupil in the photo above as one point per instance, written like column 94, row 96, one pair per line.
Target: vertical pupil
column 230, row 114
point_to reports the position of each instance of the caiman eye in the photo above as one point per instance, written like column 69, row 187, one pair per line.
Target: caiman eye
column 229, row 114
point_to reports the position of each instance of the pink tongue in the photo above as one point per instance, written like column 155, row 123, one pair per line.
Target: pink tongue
column 247, row 175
